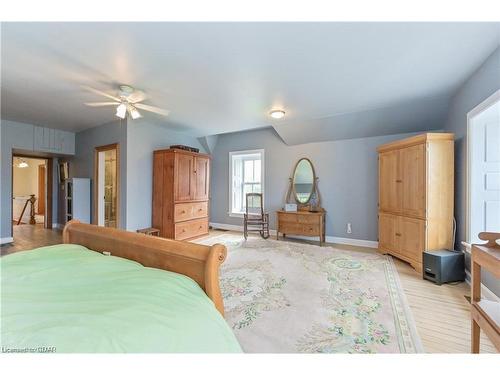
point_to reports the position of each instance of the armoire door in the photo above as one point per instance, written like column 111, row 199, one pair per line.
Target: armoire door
column 184, row 177
column 389, row 183
column 201, row 177
column 412, row 174
column 387, row 232
column 412, row 239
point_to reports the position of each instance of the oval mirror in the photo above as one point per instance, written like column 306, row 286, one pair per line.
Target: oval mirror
column 303, row 180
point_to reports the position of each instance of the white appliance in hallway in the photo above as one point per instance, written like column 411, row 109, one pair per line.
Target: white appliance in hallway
column 484, row 171
column 78, row 199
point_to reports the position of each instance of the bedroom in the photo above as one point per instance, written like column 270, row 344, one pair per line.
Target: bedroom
column 316, row 182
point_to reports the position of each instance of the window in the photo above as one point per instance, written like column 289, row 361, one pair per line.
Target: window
column 246, row 175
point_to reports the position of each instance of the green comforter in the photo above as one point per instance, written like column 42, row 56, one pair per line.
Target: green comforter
column 70, row 299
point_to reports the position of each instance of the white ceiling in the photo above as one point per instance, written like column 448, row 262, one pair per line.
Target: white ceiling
column 225, row 77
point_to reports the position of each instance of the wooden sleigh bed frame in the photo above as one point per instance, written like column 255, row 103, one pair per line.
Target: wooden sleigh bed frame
column 199, row 262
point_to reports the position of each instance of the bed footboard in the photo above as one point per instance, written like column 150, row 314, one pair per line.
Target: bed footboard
column 199, row 262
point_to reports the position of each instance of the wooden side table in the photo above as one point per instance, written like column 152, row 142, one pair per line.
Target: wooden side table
column 485, row 314
column 302, row 223
column 149, row 231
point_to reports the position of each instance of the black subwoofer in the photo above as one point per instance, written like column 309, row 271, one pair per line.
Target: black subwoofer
column 443, row 266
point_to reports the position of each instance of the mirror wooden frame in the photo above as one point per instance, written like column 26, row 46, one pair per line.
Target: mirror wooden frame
column 304, row 206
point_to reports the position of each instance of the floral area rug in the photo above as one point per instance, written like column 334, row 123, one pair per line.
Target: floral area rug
column 289, row 297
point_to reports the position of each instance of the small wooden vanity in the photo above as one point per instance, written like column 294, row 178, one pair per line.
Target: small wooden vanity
column 302, row 223
column 308, row 219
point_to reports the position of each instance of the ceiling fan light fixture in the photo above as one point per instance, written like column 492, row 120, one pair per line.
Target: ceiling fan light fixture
column 121, row 111
column 277, row 114
column 134, row 113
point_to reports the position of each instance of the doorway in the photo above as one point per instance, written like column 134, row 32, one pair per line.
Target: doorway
column 31, row 191
column 483, row 177
column 107, row 186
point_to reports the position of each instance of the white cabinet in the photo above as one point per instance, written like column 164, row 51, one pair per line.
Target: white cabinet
column 54, row 140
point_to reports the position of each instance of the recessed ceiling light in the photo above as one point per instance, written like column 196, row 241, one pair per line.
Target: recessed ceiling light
column 277, row 113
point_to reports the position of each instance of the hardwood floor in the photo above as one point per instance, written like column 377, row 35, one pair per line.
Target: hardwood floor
column 441, row 313
column 27, row 237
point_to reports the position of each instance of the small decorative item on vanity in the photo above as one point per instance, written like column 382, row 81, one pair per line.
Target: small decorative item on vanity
column 308, row 219
column 291, row 207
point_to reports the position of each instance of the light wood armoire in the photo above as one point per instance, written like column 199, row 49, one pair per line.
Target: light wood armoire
column 181, row 182
column 416, row 196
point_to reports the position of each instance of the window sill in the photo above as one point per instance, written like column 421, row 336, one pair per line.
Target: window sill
column 235, row 214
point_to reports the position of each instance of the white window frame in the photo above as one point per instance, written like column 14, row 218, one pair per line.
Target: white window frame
column 230, row 177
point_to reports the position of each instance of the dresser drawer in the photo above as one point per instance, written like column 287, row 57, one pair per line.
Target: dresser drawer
column 300, row 229
column 287, row 218
column 192, row 228
column 309, row 219
column 189, row 211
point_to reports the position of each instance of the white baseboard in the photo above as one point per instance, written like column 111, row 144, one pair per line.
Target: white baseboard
column 6, row 240
column 485, row 292
column 330, row 239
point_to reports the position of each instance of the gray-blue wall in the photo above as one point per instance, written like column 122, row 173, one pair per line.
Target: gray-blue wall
column 18, row 137
column 82, row 164
column 138, row 139
column 482, row 84
column 347, row 171
column 143, row 138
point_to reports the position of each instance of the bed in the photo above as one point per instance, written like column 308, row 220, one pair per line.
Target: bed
column 106, row 290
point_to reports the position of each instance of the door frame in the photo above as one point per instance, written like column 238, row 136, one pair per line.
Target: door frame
column 481, row 107
column 42, row 167
column 112, row 146
column 49, row 163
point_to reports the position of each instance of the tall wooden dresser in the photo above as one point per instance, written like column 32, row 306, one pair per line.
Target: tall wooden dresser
column 181, row 182
column 416, row 196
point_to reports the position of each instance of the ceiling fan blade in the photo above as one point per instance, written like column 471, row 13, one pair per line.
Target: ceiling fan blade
column 150, row 108
column 98, row 92
column 136, row 97
column 101, row 104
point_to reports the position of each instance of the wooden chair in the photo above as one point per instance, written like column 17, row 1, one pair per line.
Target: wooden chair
column 255, row 216
column 485, row 314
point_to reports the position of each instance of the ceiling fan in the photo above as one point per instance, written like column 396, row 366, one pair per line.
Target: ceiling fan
column 128, row 100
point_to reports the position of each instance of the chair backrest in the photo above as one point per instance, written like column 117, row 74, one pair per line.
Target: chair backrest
column 254, row 204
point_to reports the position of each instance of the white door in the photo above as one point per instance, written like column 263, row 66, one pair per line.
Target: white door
column 100, row 188
column 484, row 163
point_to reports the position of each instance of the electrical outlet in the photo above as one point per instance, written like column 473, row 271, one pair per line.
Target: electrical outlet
column 349, row 228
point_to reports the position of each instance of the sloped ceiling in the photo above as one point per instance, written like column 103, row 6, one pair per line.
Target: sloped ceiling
column 209, row 142
column 334, row 80
column 412, row 116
